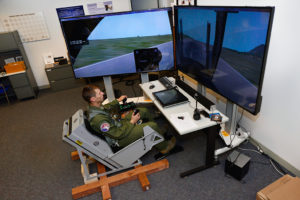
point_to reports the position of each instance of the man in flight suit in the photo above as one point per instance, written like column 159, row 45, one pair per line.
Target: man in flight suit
column 123, row 131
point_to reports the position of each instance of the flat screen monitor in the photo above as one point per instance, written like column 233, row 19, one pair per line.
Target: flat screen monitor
column 104, row 45
column 170, row 97
column 225, row 49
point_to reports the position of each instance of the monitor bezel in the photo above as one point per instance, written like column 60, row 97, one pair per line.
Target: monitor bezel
column 168, row 9
column 269, row 9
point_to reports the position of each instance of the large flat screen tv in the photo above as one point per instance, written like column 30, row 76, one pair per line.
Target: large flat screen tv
column 225, row 49
column 104, row 45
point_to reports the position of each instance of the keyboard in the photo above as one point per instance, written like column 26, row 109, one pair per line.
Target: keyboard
column 166, row 82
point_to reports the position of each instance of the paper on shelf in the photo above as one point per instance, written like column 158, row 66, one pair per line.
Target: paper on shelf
column 185, row 122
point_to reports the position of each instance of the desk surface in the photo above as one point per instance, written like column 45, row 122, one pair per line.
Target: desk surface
column 188, row 124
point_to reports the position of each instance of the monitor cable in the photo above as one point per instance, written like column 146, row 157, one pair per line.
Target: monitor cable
column 273, row 163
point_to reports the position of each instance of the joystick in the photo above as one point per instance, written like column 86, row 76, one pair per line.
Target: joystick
column 124, row 100
column 136, row 111
column 126, row 106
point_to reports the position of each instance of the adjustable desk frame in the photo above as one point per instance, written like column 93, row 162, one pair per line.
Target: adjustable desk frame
column 211, row 134
column 211, row 128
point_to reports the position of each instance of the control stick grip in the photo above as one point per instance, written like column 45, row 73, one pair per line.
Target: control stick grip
column 136, row 111
column 124, row 100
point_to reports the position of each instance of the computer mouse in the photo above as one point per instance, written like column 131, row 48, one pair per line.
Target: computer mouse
column 151, row 87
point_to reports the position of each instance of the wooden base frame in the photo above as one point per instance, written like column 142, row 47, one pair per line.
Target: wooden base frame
column 104, row 183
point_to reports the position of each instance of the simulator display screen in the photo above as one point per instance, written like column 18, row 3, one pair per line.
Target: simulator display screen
column 224, row 49
column 104, row 45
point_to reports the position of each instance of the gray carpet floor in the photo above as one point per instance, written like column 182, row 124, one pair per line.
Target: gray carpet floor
column 35, row 163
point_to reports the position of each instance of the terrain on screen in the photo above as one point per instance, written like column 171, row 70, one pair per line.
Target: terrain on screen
column 105, row 49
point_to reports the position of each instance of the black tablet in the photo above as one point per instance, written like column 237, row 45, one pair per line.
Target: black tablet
column 170, row 97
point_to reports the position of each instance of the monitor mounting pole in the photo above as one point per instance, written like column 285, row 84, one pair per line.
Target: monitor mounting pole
column 108, row 88
column 144, row 77
column 233, row 137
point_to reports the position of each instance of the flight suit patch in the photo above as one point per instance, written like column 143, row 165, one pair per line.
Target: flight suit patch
column 104, row 127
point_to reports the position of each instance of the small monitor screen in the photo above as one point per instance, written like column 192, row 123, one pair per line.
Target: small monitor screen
column 170, row 97
column 147, row 59
column 112, row 44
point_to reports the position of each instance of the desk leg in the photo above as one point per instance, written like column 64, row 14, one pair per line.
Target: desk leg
column 210, row 151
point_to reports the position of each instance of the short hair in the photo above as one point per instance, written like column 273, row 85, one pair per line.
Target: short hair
column 88, row 92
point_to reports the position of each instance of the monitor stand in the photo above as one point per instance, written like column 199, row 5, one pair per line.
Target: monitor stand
column 108, row 88
column 228, row 132
column 144, row 77
column 230, row 135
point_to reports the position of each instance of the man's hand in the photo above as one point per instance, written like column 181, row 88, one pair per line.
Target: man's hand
column 121, row 98
column 135, row 118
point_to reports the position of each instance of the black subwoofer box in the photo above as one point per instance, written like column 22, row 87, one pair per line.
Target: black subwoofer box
column 237, row 165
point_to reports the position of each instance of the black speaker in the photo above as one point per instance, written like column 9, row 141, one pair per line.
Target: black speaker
column 237, row 165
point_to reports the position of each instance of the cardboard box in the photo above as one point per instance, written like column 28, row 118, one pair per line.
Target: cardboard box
column 285, row 188
column 14, row 67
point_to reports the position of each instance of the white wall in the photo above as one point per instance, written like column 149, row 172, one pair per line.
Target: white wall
column 276, row 127
column 55, row 44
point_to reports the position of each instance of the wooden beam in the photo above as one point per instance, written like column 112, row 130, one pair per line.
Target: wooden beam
column 74, row 155
column 104, row 188
column 118, row 179
column 143, row 180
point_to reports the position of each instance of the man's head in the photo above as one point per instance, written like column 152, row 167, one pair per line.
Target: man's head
column 92, row 94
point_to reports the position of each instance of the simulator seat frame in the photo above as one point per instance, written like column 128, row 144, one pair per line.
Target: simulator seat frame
column 76, row 133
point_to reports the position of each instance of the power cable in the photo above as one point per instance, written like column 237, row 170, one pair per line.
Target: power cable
column 272, row 162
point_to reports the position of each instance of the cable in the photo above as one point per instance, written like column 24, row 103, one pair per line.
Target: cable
column 262, row 163
column 273, row 163
column 240, row 117
column 239, row 126
column 278, row 166
column 232, row 162
column 250, row 150
column 231, row 140
column 275, row 167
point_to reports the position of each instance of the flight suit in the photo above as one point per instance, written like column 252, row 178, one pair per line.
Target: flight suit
column 103, row 121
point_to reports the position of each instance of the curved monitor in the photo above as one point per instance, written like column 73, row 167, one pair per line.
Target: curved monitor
column 225, row 49
column 104, row 45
